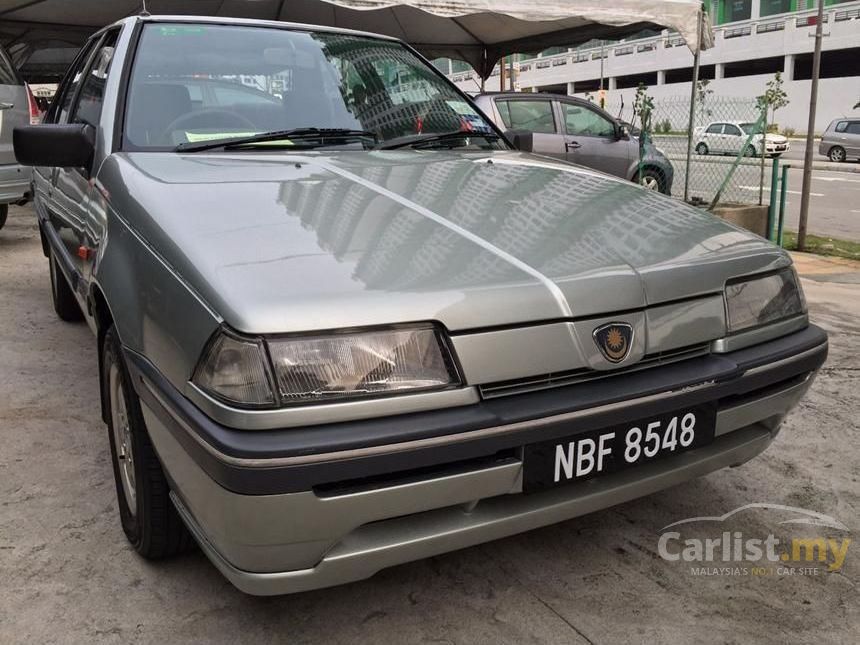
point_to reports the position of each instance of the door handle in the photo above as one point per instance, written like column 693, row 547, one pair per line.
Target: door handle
column 571, row 145
column 6, row 106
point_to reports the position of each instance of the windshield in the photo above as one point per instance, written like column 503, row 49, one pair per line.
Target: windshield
column 197, row 82
column 750, row 128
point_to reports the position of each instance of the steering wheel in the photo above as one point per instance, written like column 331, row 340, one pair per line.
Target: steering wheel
column 207, row 118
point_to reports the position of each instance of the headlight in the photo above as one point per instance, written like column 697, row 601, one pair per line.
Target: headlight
column 762, row 300
column 327, row 367
column 335, row 366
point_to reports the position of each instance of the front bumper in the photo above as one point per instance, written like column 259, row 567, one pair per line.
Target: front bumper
column 14, row 183
column 777, row 148
column 277, row 514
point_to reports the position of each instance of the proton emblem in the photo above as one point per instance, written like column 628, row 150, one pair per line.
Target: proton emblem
column 614, row 341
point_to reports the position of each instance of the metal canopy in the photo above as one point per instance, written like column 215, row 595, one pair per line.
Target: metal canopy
column 477, row 31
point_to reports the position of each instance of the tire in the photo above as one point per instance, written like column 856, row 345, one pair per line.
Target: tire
column 702, row 148
column 651, row 179
column 836, row 153
column 4, row 213
column 749, row 151
column 149, row 519
column 65, row 303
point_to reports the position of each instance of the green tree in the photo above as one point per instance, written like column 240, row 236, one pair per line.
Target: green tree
column 772, row 100
column 702, row 94
column 643, row 106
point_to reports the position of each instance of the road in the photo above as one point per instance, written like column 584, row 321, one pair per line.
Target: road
column 834, row 202
column 678, row 144
column 69, row 576
column 834, row 206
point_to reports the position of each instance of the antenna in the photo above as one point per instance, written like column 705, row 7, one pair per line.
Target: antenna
column 143, row 10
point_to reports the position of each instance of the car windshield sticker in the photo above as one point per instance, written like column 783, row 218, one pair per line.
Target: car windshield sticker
column 461, row 107
column 180, row 30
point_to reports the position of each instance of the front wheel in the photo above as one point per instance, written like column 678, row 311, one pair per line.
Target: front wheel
column 837, row 153
column 749, row 151
column 4, row 213
column 149, row 519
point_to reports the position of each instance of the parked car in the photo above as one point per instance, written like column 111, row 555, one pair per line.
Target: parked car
column 379, row 333
column 578, row 131
column 841, row 140
column 730, row 137
column 17, row 107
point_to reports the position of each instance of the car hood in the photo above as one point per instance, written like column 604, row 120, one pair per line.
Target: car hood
column 278, row 242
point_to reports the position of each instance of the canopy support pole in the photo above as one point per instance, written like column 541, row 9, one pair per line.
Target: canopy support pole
column 693, row 93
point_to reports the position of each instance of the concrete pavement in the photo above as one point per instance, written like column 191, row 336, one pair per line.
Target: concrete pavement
column 68, row 575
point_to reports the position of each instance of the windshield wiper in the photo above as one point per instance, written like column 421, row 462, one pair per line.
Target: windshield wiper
column 275, row 135
column 419, row 140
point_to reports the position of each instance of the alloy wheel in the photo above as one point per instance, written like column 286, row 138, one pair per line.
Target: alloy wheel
column 122, row 438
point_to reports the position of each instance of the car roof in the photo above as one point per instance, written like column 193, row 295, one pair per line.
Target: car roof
column 545, row 95
column 250, row 22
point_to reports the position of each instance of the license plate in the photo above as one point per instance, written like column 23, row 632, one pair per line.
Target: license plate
column 599, row 452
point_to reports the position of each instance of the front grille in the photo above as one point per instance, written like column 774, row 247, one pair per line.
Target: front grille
column 571, row 377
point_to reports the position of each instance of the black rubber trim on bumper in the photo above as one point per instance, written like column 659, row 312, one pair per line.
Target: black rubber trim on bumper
column 725, row 375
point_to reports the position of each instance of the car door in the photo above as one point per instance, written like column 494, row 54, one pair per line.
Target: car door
column 14, row 108
column 52, row 206
column 733, row 138
column 534, row 115
column 713, row 137
column 852, row 139
column 590, row 140
column 72, row 186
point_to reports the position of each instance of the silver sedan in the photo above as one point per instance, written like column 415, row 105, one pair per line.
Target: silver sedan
column 342, row 325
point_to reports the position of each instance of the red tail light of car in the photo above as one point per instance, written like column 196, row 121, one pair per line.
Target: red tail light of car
column 35, row 112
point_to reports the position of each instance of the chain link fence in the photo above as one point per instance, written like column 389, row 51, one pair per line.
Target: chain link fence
column 724, row 160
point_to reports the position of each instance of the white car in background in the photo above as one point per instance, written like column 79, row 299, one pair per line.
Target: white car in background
column 730, row 137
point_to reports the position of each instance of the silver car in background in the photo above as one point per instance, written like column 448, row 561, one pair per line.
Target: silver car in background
column 841, row 140
column 351, row 327
column 16, row 106
column 575, row 130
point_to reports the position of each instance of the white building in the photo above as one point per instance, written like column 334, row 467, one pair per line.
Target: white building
column 752, row 43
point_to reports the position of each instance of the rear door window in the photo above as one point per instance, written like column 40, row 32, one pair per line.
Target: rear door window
column 715, row 128
column 532, row 115
column 853, row 127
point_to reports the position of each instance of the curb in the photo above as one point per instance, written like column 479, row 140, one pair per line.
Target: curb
column 846, row 167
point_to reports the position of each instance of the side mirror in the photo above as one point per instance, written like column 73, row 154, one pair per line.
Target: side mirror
column 622, row 131
column 63, row 146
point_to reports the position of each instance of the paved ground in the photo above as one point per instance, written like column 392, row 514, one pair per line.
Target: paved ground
column 68, row 576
